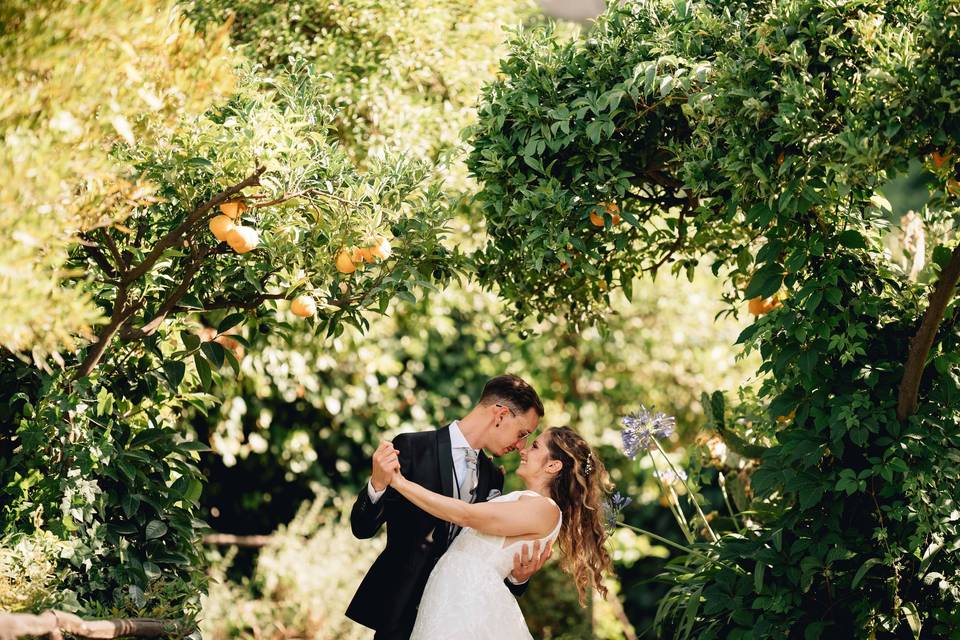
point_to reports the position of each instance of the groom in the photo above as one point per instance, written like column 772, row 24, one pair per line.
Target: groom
column 451, row 461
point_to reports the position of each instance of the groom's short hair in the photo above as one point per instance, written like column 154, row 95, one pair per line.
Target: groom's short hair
column 513, row 391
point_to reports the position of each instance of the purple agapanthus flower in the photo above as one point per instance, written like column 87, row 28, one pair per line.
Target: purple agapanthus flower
column 640, row 428
column 615, row 506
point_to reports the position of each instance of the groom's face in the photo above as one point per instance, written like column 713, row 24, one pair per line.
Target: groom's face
column 512, row 429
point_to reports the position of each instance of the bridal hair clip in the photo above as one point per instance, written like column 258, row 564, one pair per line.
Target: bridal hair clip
column 588, row 467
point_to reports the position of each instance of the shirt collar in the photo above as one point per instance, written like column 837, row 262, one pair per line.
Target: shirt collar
column 457, row 439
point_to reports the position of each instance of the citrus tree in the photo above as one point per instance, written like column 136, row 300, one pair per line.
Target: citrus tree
column 240, row 209
column 758, row 137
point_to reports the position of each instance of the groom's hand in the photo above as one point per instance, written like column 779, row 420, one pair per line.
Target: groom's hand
column 385, row 463
column 525, row 565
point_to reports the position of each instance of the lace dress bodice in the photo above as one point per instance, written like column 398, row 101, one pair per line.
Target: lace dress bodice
column 465, row 596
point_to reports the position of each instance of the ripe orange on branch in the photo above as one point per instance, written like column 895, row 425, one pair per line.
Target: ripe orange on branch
column 345, row 262
column 759, row 306
column 382, row 250
column 303, row 306
column 221, row 226
column 233, row 209
column 611, row 209
column 243, row 239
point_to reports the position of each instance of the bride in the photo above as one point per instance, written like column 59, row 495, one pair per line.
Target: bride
column 465, row 596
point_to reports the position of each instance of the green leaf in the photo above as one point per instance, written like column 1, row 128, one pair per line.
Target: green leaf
column 104, row 402
column 765, row 282
column 230, row 322
column 203, row 370
column 852, row 239
column 193, row 445
column 130, row 504
column 758, row 572
column 232, row 361
column 214, row 352
column 173, row 371
column 190, row 341
column 147, row 436
column 155, row 529
column 862, row 571
column 912, row 617
column 198, row 162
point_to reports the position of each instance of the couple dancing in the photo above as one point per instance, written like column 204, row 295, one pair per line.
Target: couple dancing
column 457, row 550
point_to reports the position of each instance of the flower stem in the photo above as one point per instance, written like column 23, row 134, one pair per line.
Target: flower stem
column 690, row 494
column 673, row 504
column 680, row 547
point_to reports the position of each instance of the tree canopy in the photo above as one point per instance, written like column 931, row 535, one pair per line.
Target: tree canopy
column 758, row 136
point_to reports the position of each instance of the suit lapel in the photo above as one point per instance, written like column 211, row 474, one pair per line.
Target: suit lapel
column 445, row 460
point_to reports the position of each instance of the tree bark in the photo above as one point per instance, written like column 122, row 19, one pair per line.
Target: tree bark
column 922, row 341
column 54, row 623
column 121, row 312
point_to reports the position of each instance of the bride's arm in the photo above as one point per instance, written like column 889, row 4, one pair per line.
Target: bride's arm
column 532, row 516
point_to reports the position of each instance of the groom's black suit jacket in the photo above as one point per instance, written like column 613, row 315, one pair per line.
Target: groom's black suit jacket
column 389, row 595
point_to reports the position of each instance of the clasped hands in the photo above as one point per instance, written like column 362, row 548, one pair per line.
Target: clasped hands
column 386, row 471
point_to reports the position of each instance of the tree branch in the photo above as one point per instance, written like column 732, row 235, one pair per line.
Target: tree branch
column 681, row 236
column 235, row 303
column 121, row 263
column 121, row 313
column 922, row 341
column 305, row 192
column 174, row 235
column 92, row 249
column 196, row 262
column 53, row 624
column 229, row 539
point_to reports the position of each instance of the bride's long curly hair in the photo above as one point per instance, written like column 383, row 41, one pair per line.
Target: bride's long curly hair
column 579, row 491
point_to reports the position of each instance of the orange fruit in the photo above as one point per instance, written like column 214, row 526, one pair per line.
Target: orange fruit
column 382, row 250
column 220, row 226
column 612, row 210
column 787, row 418
column 953, row 186
column 564, row 266
column 243, row 239
column 759, row 306
column 940, row 159
column 345, row 263
column 233, row 208
column 303, row 306
column 365, row 254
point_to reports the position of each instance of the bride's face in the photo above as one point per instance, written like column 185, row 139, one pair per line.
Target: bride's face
column 535, row 459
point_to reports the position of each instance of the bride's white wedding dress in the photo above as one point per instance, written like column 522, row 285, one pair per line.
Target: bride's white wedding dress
column 465, row 597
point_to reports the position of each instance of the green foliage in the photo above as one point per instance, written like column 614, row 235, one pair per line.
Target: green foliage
column 760, row 135
column 401, row 75
column 63, row 108
column 302, row 582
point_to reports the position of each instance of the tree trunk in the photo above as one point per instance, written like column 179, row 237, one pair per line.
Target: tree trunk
column 922, row 342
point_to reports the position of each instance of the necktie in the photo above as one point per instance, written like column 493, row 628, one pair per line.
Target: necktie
column 468, row 487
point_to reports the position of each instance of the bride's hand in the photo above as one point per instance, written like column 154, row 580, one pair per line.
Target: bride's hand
column 396, row 478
